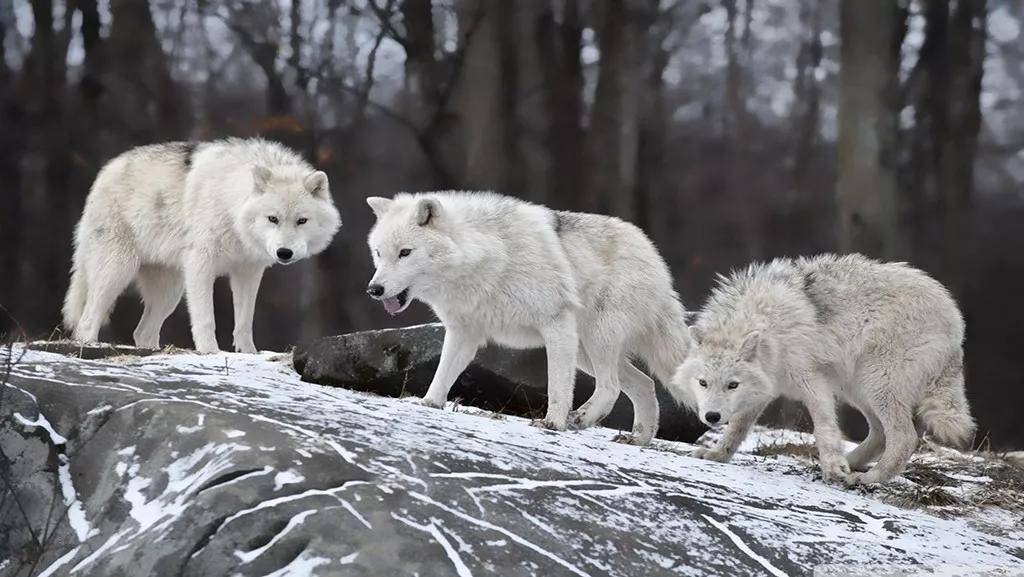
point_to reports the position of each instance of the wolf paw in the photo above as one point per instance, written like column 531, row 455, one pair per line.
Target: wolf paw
column 547, row 424
column 424, row 402
column 861, row 479
column 710, row 455
column 835, row 469
column 244, row 345
column 575, row 421
column 630, row 439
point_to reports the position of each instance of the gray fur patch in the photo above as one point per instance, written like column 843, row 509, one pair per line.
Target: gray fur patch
column 566, row 221
column 822, row 312
column 188, row 149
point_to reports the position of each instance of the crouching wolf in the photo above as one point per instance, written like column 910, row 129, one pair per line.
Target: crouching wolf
column 591, row 289
column 173, row 217
column 883, row 337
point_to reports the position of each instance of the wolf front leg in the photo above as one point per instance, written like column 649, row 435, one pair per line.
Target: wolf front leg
column 458, row 350
column 821, row 404
column 562, row 344
column 245, row 283
column 199, row 277
column 738, row 428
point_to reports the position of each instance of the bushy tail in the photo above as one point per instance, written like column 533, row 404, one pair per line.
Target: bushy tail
column 74, row 301
column 665, row 347
column 944, row 411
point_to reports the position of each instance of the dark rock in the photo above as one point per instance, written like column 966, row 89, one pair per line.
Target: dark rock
column 400, row 362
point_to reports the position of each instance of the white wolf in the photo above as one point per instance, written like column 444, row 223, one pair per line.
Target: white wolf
column 173, row 217
column 591, row 289
column 883, row 337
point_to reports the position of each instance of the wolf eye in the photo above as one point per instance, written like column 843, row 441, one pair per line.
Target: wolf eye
column 273, row 219
column 702, row 383
column 404, row 252
column 732, row 385
column 301, row 221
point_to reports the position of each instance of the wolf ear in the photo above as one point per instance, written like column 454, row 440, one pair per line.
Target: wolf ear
column 261, row 176
column 696, row 335
column 316, row 184
column 427, row 211
column 379, row 205
column 748, row 350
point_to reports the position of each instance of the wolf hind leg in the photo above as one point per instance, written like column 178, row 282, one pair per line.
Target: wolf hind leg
column 871, row 447
column 109, row 272
column 883, row 384
column 161, row 290
column 640, row 389
column 607, row 384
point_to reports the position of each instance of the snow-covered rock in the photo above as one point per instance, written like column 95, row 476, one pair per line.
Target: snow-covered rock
column 179, row 464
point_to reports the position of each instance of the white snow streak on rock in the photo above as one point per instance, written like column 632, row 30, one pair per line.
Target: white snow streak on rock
column 460, row 566
column 301, row 566
column 247, row 556
column 516, row 538
column 55, row 437
column 75, row 512
column 58, row 563
column 198, row 427
column 289, row 477
column 743, row 547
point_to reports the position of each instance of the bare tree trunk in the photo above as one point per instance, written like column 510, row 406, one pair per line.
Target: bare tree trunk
column 966, row 59
column 421, row 74
column 138, row 62
column 867, row 189
column 559, row 44
column 807, row 91
column 489, row 90
column 614, row 127
column 91, row 84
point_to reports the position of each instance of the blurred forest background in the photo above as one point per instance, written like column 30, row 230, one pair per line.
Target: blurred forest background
column 730, row 130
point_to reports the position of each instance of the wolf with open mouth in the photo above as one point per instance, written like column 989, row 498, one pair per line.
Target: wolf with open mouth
column 591, row 289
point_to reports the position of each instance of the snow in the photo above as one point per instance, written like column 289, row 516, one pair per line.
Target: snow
column 302, row 566
column 432, row 528
column 75, row 513
column 248, row 556
column 492, row 464
column 743, row 547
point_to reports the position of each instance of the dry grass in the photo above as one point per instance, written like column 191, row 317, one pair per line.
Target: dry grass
column 800, row 450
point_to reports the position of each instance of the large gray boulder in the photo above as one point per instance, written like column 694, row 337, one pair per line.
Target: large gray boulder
column 400, row 362
column 231, row 465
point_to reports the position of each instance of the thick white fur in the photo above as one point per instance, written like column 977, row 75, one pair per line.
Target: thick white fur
column 591, row 289
column 883, row 337
column 173, row 217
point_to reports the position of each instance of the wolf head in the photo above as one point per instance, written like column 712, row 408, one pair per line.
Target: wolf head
column 411, row 246
column 725, row 379
column 290, row 214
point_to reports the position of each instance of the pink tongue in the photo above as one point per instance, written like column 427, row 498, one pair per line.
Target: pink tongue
column 392, row 305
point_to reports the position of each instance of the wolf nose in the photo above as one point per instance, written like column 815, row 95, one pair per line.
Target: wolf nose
column 712, row 417
column 284, row 253
column 375, row 290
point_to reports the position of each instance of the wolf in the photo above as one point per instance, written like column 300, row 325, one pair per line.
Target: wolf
column 173, row 217
column 591, row 289
column 883, row 337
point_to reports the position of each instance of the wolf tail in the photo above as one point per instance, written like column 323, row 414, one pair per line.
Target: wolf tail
column 945, row 412
column 666, row 346
column 74, row 301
